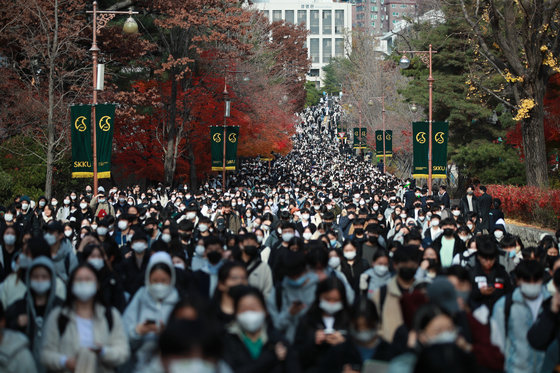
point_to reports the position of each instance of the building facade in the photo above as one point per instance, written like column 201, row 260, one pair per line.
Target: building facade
column 329, row 24
column 381, row 16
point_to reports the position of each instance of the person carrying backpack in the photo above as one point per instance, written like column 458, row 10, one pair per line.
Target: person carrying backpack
column 513, row 316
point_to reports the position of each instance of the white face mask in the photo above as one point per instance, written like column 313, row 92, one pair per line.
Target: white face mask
column 66, row 201
column 96, row 263
column 199, row 250
column 24, row 206
column 286, row 237
column 456, row 212
column 330, row 308
column 9, row 239
column 84, row 290
column 350, row 255
column 307, row 236
column 191, row 365
column 8, row 217
column 50, row 238
column 530, row 291
column 449, row 336
column 122, row 225
column 68, row 233
column 305, row 217
column 435, row 223
column 334, row 262
column 202, row 227
column 166, row 237
column 380, row 270
column 159, row 291
column 40, row 287
column 191, row 215
column 251, row 321
column 260, row 239
column 498, row 234
column 102, row 231
column 139, row 247
column 83, row 205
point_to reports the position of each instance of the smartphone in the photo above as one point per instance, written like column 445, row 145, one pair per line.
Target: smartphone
column 149, row 322
column 298, row 303
column 329, row 331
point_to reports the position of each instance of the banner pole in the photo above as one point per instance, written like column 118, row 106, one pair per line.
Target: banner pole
column 384, row 134
column 430, row 85
column 94, row 49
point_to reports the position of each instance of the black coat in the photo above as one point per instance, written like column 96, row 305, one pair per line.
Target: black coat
column 546, row 329
column 484, row 205
column 113, row 290
column 309, row 353
column 132, row 276
column 240, row 360
column 445, row 200
column 464, row 205
column 498, row 278
column 458, row 247
column 353, row 272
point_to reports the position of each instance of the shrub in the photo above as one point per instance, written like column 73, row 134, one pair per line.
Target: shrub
column 529, row 204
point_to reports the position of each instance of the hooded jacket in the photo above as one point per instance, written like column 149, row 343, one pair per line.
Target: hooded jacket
column 14, row 353
column 65, row 260
column 144, row 306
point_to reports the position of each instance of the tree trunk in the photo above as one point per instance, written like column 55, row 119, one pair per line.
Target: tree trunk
column 50, row 137
column 169, row 161
column 192, row 169
column 534, row 147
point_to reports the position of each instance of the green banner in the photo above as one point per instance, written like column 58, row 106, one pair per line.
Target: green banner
column 379, row 143
column 105, row 118
column 388, row 143
column 356, row 137
column 420, row 131
column 80, row 123
column 217, row 147
column 440, row 131
column 231, row 147
column 360, row 138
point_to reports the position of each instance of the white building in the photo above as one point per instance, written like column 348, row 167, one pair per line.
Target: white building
column 329, row 24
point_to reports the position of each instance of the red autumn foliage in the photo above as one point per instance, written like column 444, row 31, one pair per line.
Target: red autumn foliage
column 551, row 120
column 522, row 202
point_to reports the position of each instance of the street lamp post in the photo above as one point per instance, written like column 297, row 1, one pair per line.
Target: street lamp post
column 426, row 58
column 100, row 19
column 383, row 121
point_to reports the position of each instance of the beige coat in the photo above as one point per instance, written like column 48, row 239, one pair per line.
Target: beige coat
column 115, row 344
column 391, row 314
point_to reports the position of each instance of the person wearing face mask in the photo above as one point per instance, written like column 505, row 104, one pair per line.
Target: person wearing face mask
column 14, row 349
column 214, row 259
column 10, row 245
column 252, row 344
column 27, row 220
column 28, row 314
column 475, row 333
column 85, row 210
column 260, row 275
column 133, row 268
column 324, row 326
column 61, row 250
column 113, row 291
column 352, row 264
column 499, row 232
column 99, row 203
column 469, row 202
column 378, row 275
column 149, row 309
column 63, row 211
column 291, row 298
column 433, row 232
column 362, row 344
column 276, row 258
column 230, row 275
column 387, row 298
column 124, row 230
column 121, row 206
column 447, row 245
column 513, row 316
column 83, row 335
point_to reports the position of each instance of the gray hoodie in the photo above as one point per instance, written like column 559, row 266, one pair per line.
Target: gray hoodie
column 144, row 306
column 14, row 353
column 35, row 324
column 65, row 260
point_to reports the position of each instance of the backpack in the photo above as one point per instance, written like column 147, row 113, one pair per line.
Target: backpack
column 507, row 311
column 382, row 297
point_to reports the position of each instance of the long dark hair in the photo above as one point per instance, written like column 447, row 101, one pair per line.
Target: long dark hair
column 328, row 284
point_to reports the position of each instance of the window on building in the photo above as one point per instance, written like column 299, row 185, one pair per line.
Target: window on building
column 276, row 15
column 375, row 16
column 327, row 50
column 327, row 22
column 289, row 16
column 338, row 47
column 266, row 13
column 314, row 72
column 403, row 5
column 373, row 24
column 339, row 22
column 314, row 50
column 374, row 9
column 396, row 14
column 393, row 5
column 314, row 22
column 302, row 17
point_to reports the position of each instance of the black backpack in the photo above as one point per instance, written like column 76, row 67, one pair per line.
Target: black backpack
column 63, row 321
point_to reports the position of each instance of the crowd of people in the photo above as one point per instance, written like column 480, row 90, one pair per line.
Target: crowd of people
column 321, row 263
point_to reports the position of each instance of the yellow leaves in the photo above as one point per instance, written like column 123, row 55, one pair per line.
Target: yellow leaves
column 549, row 59
column 510, row 78
column 544, row 48
column 524, row 108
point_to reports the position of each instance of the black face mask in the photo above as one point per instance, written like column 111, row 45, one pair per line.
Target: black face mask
column 432, row 263
column 407, row 273
column 214, row 257
column 448, row 232
column 185, row 236
column 359, row 231
column 372, row 239
column 149, row 231
column 550, row 259
column 251, row 250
